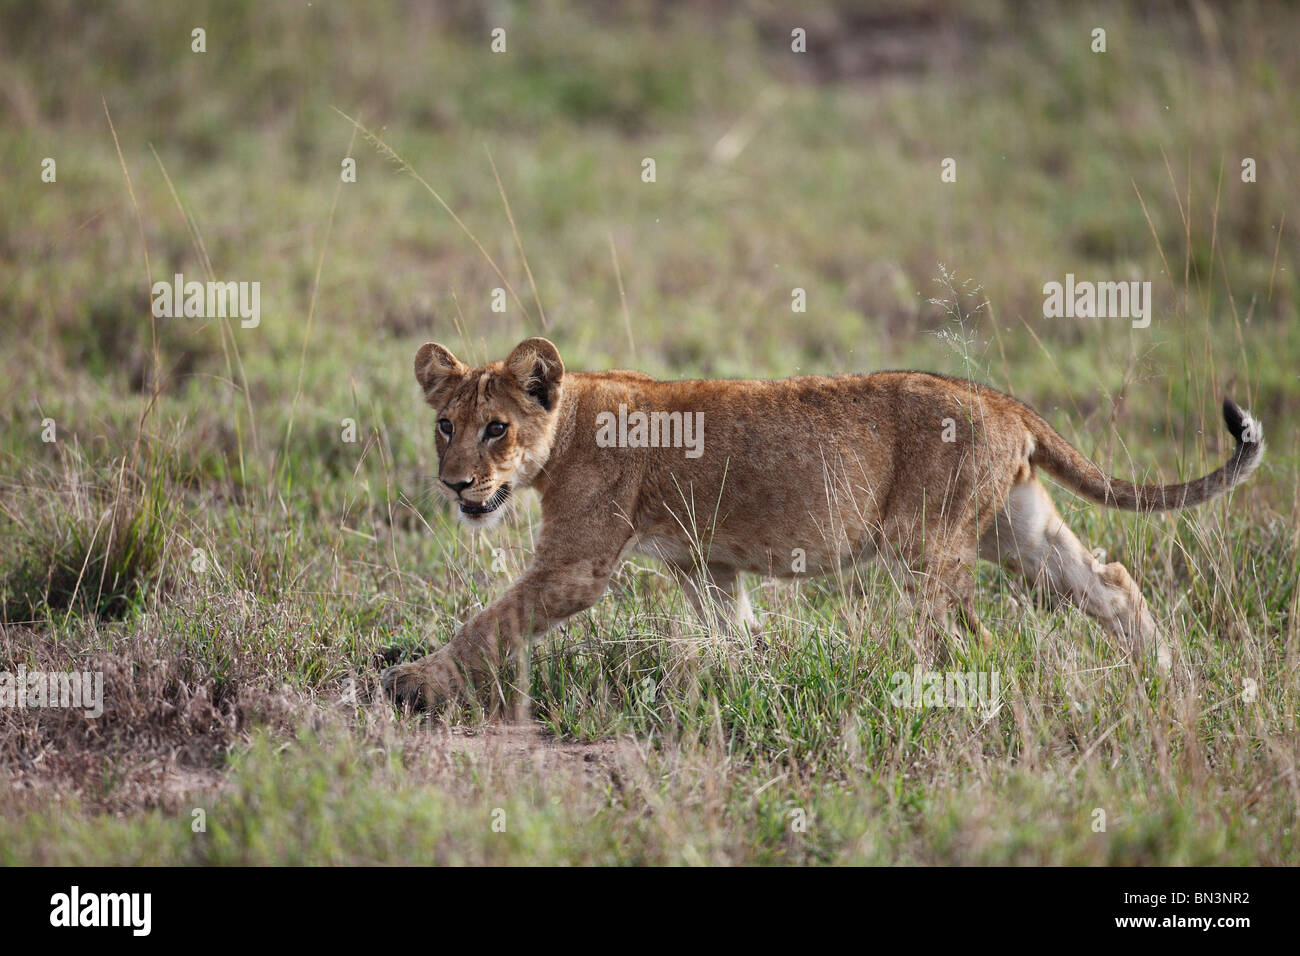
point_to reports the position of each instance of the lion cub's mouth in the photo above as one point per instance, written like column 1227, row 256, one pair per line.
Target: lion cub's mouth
column 476, row 509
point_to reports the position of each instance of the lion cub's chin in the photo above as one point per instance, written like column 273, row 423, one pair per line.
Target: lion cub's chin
column 482, row 522
column 486, row 513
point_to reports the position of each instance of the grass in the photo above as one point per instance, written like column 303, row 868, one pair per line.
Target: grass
column 203, row 534
column 94, row 548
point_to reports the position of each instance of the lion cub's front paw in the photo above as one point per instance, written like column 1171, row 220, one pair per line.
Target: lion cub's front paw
column 424, row 684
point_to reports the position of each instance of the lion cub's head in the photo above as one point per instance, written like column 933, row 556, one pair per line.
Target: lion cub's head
column 495, row 423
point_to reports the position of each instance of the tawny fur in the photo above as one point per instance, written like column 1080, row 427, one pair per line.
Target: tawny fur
column 829, row 469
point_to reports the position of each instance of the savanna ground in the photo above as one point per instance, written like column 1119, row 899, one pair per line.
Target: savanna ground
column 201, row 532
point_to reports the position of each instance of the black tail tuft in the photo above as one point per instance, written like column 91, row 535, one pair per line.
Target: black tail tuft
column 1250, row 442
column 1235, row 418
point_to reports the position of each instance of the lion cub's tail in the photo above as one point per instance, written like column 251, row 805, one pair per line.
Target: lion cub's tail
column 1061, row 460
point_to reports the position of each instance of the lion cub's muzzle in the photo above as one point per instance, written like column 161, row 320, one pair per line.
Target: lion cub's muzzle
column 477, row 509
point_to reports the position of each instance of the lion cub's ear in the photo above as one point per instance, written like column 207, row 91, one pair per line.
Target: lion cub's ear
column 437, row 370
column 536, row 367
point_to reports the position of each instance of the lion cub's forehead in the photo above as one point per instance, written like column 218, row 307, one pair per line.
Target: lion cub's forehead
column 483, row 390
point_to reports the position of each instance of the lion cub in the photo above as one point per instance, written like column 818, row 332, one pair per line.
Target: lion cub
column 719, row 477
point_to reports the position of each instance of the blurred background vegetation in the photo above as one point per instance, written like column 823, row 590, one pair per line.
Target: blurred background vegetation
column 775, row 170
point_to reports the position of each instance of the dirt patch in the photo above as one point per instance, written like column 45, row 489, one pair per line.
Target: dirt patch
column 514, row 749
column 165, row 729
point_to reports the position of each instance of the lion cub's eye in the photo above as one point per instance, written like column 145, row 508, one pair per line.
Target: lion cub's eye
column 495, row 429
column 445, row 426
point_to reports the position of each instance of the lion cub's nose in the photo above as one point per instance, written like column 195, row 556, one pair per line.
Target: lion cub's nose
column 457, row 486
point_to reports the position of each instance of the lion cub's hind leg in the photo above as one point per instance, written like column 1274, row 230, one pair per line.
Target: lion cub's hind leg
column 937, row 574
column 1029, row 537
column 948, row 600
column 719, row 598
